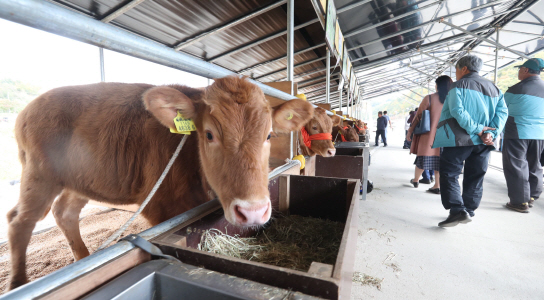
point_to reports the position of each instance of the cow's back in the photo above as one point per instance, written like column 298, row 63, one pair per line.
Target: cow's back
column 100, row 141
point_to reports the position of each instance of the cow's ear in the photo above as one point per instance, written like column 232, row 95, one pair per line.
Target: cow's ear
column 164, row 102
column 336, row 120
column 291, row 115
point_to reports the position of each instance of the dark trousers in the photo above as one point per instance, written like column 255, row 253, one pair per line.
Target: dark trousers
column 382, row 133
column 406, row 143
column 522, row 169
column 427, row 174
column 451, row 164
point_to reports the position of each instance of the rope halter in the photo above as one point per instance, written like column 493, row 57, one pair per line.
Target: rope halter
column 314, row 137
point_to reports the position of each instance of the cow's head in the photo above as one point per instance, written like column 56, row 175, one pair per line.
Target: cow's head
column 349, row 134
column 319, row 124
column 234, row 122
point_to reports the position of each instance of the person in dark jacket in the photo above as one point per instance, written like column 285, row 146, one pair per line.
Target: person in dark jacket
column 473, row 114
column 380, row 129
column 524, row 137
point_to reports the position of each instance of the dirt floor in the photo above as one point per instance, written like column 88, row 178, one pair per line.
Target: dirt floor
column 49, row 251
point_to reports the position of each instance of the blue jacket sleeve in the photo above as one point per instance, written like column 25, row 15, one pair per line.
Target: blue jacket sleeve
column 499, row 119
column 457, row 110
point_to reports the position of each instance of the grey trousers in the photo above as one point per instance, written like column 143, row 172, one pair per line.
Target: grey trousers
column 522, row 169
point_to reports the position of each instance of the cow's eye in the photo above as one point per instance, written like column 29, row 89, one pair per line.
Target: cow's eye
column 209, row 136
column 314, row 128
column 269, row 136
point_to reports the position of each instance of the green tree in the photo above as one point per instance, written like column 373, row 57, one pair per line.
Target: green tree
column 508, row 76
column 15, row 95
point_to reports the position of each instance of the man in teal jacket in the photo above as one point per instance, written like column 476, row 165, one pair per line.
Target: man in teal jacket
column 524, row 137
column 473, row 114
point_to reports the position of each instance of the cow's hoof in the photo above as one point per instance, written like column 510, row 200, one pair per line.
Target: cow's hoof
column 14, row 283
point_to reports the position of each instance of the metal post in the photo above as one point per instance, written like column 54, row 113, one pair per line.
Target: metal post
column 328, row 80
column 341, row 92
column 496, row 58
column 290, row 54
column 485, row 39
column 102, row 71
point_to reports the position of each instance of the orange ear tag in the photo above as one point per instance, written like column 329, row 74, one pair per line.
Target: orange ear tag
column 183, row 125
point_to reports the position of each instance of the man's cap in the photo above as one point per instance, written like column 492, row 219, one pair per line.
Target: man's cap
column 534, row 64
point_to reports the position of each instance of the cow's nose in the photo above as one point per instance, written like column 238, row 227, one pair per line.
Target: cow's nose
column 331, row 151
column 253, row 215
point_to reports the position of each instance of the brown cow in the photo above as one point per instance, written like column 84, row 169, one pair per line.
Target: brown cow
column 110, row 142
column 346, row 134
column 360, row 126
column 320, row 123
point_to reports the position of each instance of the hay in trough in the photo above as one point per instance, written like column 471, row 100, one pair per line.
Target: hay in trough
column 287, row 241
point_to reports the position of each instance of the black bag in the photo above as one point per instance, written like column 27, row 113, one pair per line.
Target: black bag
column 424, row 124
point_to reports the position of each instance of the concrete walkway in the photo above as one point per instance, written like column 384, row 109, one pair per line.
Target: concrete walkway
column 499, row 255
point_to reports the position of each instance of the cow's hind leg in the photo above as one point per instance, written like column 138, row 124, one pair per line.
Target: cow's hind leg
column 37, row 195
column 66, row 211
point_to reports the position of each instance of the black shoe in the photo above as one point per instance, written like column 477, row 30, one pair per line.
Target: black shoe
column 432, row 178
column 454, row 220
column 385, row 145
column 404, row 147
column 415, row 184
column 376, row 145
column 531, row 202
column 434, row 191
column 425, row 181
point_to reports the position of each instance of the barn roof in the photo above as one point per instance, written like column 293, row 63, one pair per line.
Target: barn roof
column 393, row 44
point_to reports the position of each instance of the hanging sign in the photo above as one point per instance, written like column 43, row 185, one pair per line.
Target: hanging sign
column 330, row 27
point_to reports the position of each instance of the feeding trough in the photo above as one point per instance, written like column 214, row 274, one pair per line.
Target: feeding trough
column 331, row 199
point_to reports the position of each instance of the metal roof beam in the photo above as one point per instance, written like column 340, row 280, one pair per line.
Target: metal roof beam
column 388, row 59
column 485, row 39
column 258, row 42
column 302, row 64
column 189, row 41
column 275, row 60
column 418, row 101
column 434, row 21
column 436, row 58
column 318, row 83
column 521, row 32
column 312, row 80
column 421, row 85
column 528, row 23
column 404, row 45
column 360, row 30
column 489, row 54
column 381, row 79
column 121, row 11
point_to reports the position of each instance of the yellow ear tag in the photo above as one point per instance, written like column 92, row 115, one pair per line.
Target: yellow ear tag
column 333, row 111
column 183, row 126
column 290, row 116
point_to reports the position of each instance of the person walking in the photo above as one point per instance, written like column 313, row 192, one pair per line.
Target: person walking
column 473, row 114
column 524, row 137
column 406, row 127
column 427, row 157
column 388, row 122
column 380, row 129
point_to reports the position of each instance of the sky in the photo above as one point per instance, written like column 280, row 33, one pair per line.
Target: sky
column 48, row 60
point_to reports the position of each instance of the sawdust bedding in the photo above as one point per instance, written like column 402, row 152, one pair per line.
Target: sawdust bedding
column 49, row 251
